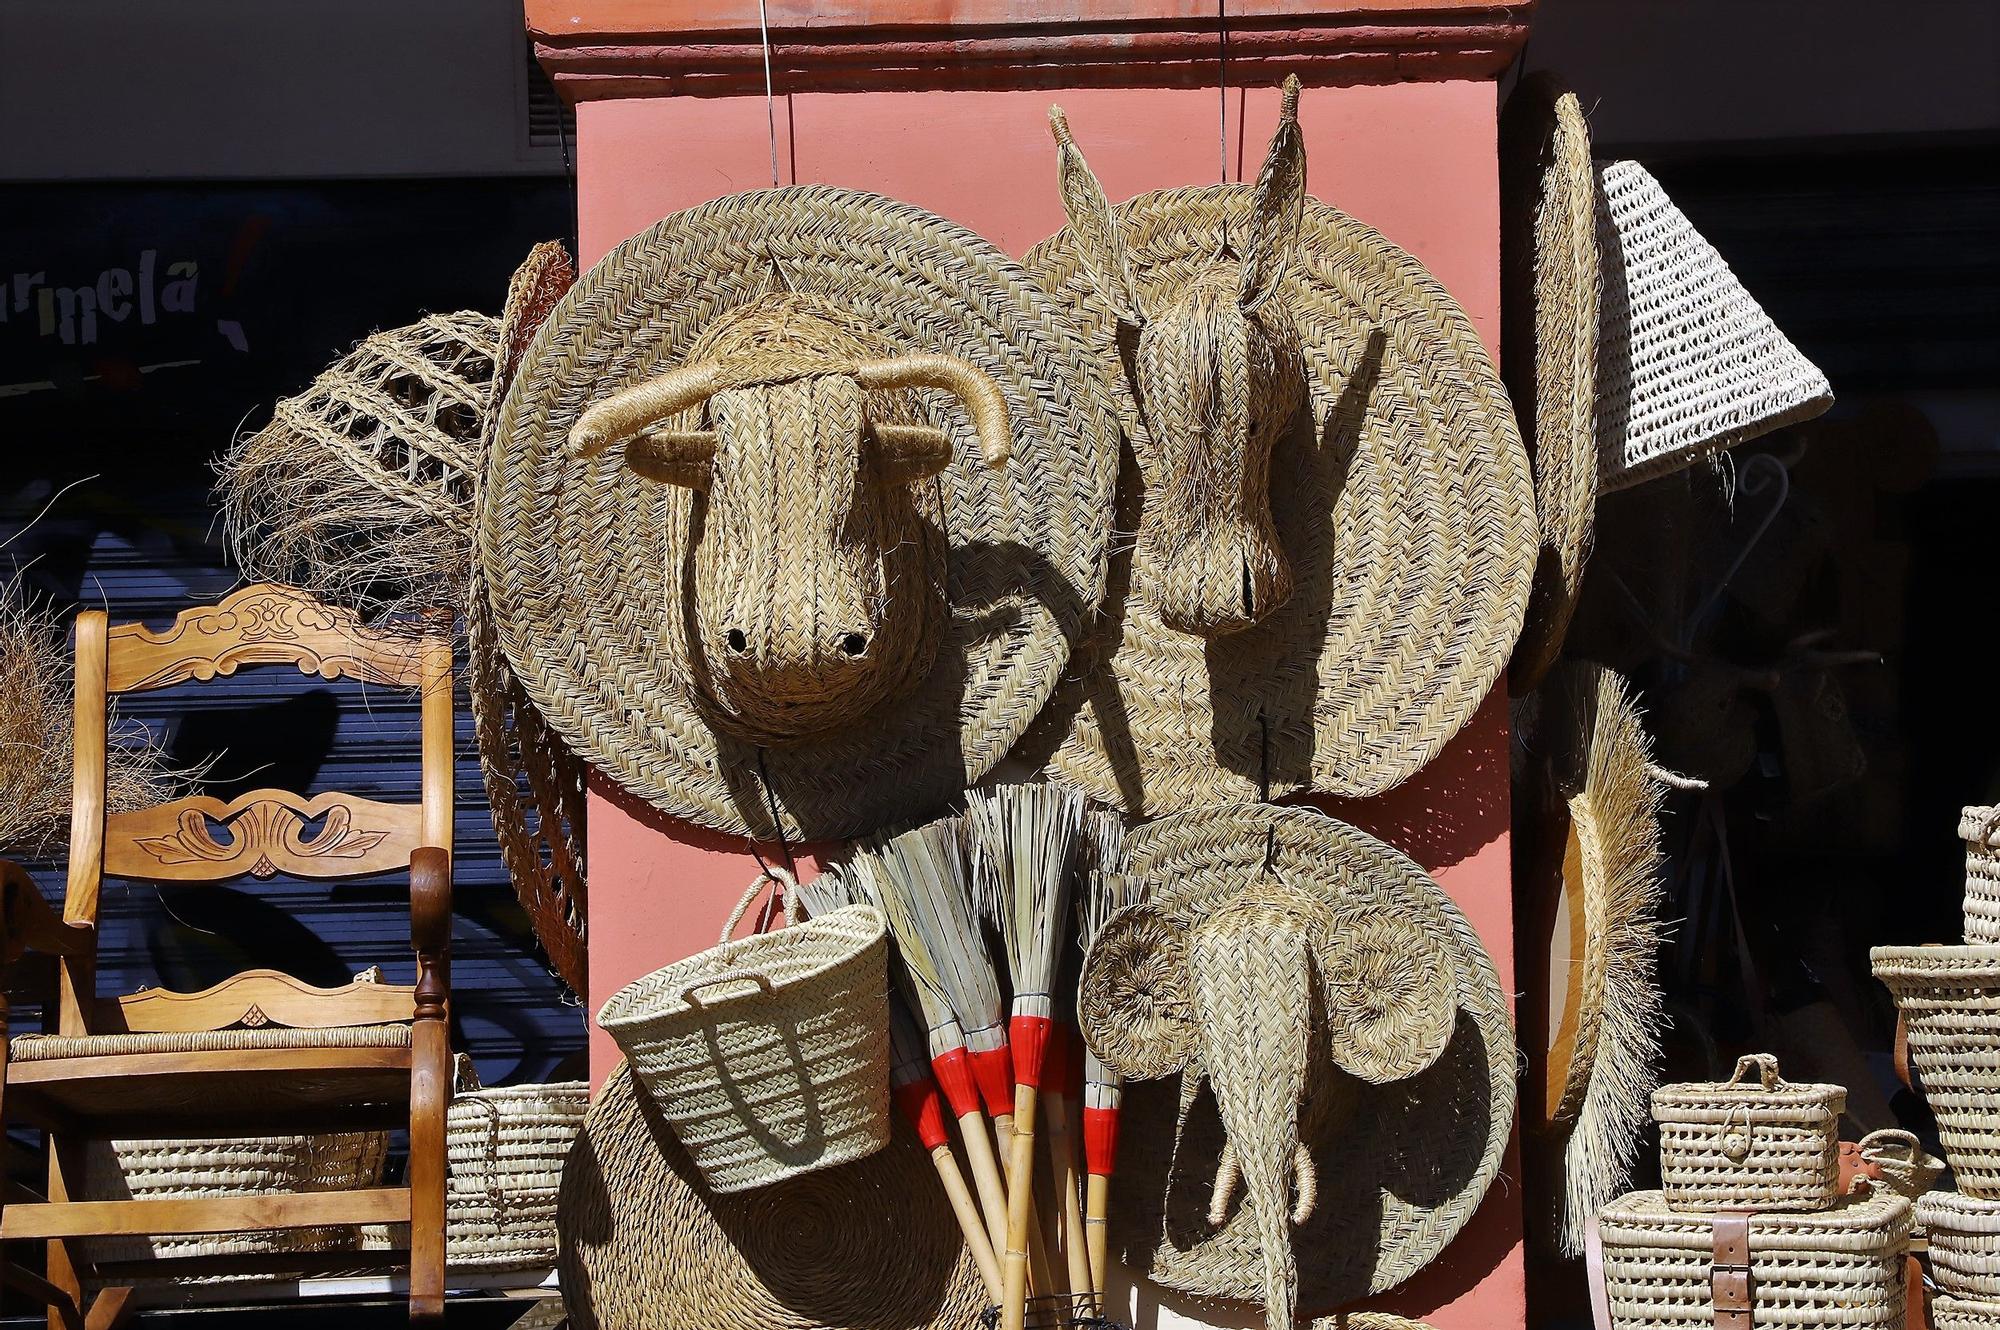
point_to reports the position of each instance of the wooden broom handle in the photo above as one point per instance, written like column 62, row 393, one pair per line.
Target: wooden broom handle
column 985, row 1176
column 1062, row 1173
column 1020, row 1211
column 970, row 1222
column 1097, row 1232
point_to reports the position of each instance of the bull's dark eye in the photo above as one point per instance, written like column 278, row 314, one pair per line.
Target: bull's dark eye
column 854, row 644
column 736, row 640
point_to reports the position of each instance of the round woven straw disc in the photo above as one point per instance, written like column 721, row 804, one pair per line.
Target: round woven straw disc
column 1402, row 1166
column 1551, row 282
column 870, row 1245
column 586, row 559
column 1587, row 851
column 1401, row 499
column 534, row 783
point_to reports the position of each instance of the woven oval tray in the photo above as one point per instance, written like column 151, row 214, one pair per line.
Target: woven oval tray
column 585, row 560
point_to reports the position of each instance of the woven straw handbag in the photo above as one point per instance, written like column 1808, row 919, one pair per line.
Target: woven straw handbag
column 1842, row 1267
column 1979, row 828
column 768, row 1055
column 1755, row 1141
column 1965, row 1245
column 1949, row 1001
column 504, row 1151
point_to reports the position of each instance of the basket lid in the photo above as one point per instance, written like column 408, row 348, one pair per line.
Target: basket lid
column 1756, row 1080
column 1866, row 1220
column 1953, row 965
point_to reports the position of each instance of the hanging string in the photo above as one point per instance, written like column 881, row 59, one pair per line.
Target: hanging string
column 1223, row 89
column 770, row 912
column 770, row 97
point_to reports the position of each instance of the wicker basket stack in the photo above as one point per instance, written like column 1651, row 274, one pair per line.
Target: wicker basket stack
column 1751, row 1227
column 505, row 1150
column 1948, row 999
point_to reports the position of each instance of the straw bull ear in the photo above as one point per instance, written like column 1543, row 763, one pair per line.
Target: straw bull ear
column 1134, row 1004
column 1391, row 1002
column 1279, row 207
column 1100, row 241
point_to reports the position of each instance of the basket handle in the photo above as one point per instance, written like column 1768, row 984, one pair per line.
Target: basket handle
column 1764, row 1064
column 762, row 981
column 783, row 883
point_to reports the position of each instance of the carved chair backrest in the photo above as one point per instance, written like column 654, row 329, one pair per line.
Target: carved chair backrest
column 263, row 832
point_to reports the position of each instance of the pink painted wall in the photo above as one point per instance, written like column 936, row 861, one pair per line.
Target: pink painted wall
column 1416, row 161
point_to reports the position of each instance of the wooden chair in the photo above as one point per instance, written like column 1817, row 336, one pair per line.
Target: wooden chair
column 260, row 1053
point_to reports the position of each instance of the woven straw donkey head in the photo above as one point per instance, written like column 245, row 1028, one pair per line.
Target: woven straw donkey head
column 1259, row 993
column 1219, row 375
column 817, row 587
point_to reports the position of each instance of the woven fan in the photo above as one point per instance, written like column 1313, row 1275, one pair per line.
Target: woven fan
column 360, row 490
column 1587, row 869
column 1551, row 283
column 820, row 645
column 1332, row 631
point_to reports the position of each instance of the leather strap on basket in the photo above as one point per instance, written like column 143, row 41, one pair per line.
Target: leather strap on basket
column 1593, row 1272
column 1730, row 1292
column 1903, row 1053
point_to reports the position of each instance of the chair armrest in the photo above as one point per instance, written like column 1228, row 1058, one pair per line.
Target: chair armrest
column 28, row 921
column 430, row 900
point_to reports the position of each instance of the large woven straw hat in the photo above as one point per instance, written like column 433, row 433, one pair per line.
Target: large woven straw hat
column 1402, row 1129
column 534, row 782
column 1587, row 854
column 1336, row 529
column 871, row 1245
column 607, row 540
column 1550, row 286
column 1688, row 363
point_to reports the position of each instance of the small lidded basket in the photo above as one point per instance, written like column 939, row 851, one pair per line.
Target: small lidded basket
column 1979, row 828
column 1753, row 1142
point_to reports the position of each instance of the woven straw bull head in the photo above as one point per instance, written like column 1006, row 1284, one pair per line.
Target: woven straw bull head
column 1219, row 375
column 1268, row 994
column 817, row 582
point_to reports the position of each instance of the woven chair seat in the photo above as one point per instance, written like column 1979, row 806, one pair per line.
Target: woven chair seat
column 51, row 1047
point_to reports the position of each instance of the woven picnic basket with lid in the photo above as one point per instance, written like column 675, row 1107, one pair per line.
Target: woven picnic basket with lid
column 1979, row 828
column 504, row 1152
column 1949, row 1000
column 1840, row 1269
column 768, row 1055
column 1754, row 1142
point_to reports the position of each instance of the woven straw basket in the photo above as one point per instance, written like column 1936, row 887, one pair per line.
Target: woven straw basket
column 1949, row 1313
column 1841, row 1268
column 1754, row 1142
column 1965, row 1244
column 1979, row 828
column 769, row 1055
column 163, row 1170
column 1949, row 998
column 504, row 1150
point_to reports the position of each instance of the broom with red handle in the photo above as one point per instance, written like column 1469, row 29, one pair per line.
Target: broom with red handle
column 1106, row 890
column 1024, row 841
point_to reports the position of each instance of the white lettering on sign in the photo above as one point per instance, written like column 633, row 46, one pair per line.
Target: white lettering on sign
column 71, row 314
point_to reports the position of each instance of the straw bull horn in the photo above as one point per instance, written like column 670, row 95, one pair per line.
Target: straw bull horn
column 631, row 410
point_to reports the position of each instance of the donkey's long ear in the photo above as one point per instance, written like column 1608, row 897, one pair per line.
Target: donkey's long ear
column 1100, row 241
column 1280, row 203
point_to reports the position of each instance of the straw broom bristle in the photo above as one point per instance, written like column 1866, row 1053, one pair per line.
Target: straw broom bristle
column 36, row 737
column 1024, row 847
column 1623, row 807
column 919, row 881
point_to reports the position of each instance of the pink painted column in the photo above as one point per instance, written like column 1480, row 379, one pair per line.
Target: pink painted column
column 1416, row 160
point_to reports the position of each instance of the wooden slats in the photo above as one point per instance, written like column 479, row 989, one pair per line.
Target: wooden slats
column 220, row 1214
column 252, row 998
column 263, row 832
column 265, row 624
column 219, row 1086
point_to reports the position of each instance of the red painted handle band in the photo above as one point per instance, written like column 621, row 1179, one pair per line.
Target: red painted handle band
column 1100, row 1140
column 918, row 1101
column 993, row 1069
column 954, row 1076
column 1029, row 1036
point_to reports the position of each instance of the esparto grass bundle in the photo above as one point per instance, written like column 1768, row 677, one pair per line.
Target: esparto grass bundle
column 36, row 736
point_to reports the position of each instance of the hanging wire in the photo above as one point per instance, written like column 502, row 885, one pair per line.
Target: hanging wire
column 770, row 97
column 1221, row 86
